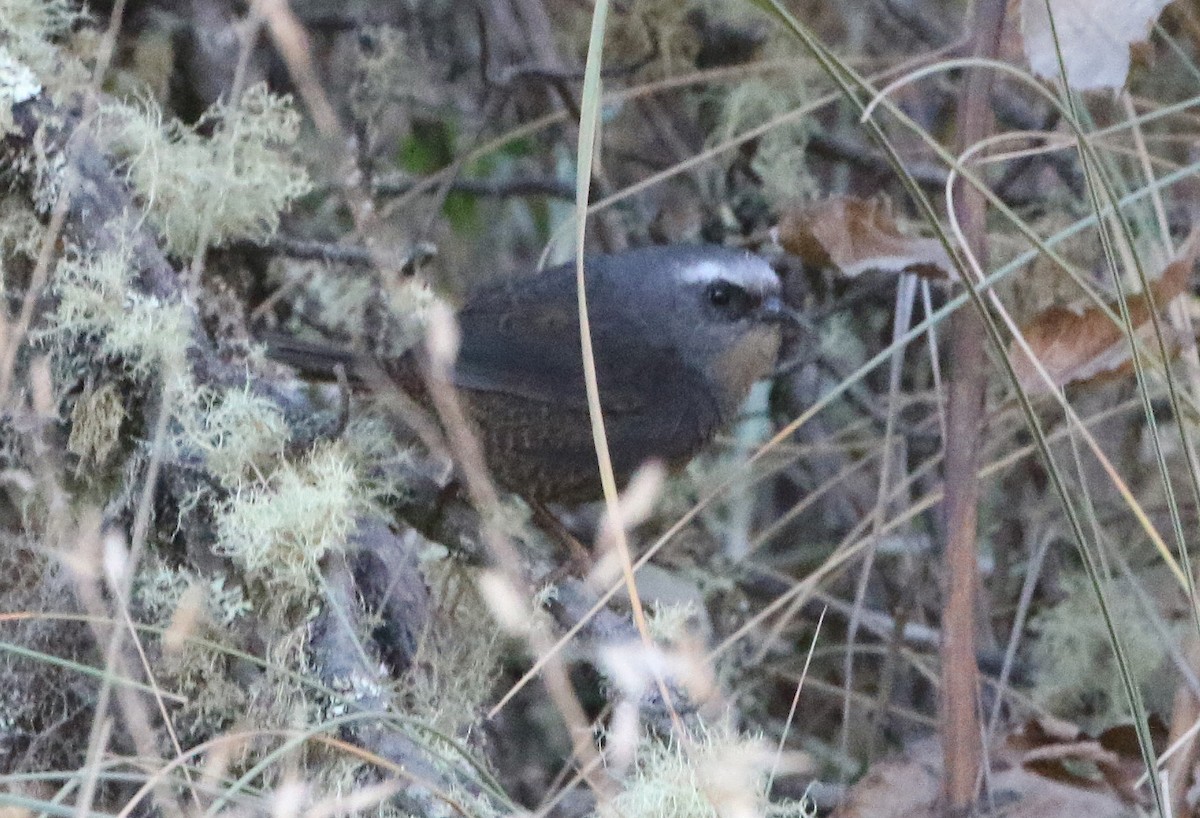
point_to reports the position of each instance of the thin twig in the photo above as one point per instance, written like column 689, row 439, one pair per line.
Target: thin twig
column 966, row 419
column 398, row 185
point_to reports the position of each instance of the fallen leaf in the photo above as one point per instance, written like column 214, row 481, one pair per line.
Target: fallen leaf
column 1076, row 345
column 911, row 788
column 856, row 235
column 1094, row 37
column 1110, row 762
column 1043, row 731
column 1123, row 738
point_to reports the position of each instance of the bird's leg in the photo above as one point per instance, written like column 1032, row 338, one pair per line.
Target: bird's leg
column 451, row 491
column 579, row 558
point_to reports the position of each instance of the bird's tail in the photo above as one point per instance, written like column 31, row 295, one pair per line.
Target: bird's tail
column 313, row 359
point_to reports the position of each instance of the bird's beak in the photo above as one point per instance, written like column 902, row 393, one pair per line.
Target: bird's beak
column 774, row 311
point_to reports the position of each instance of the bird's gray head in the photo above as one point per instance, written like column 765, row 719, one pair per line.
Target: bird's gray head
column 718, row 307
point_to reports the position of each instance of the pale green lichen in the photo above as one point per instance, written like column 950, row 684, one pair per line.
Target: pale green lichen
column 17, row 84
column 280, row 528
column 394, row 77
column 97, row 300
column 21, row 235
column 240, row 435
column 158, row 589
column 25, row 21
column 27, row 28
column 21, row 231
column 781, row 155
column 382, row 461
column 96, row 425
column 1076, row 670
column 717, row 773
column 199, row 190
column 672, row 622
column 226, row 605
column 196, row 669
column 458, row 660
column 397, row 311
column 48, row 169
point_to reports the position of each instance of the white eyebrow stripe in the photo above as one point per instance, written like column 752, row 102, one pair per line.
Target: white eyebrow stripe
column 750, row 272
column 703, row 272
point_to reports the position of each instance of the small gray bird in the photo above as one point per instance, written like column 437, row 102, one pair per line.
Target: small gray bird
column 679, row 333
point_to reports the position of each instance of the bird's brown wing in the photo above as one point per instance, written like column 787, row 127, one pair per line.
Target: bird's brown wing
column 520, row 362
column 522, row 338
column 521, row 371
column 545, row 449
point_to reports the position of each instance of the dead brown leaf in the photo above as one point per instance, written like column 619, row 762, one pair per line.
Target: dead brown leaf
column 911, row 788
column 856, row 235
column 1077, row 345
column 1110, row 762
column 908, row 788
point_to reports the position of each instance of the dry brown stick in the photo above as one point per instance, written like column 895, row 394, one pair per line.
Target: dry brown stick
column 442, row 343
column 399, row 185
column 292, row 41
column 959, row 717
column 342, row 662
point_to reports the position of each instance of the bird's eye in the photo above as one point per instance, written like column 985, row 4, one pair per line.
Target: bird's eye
column 720, row 294
column 730, row 299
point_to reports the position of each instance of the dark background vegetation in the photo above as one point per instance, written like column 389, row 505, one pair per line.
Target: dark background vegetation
column 227, row 590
